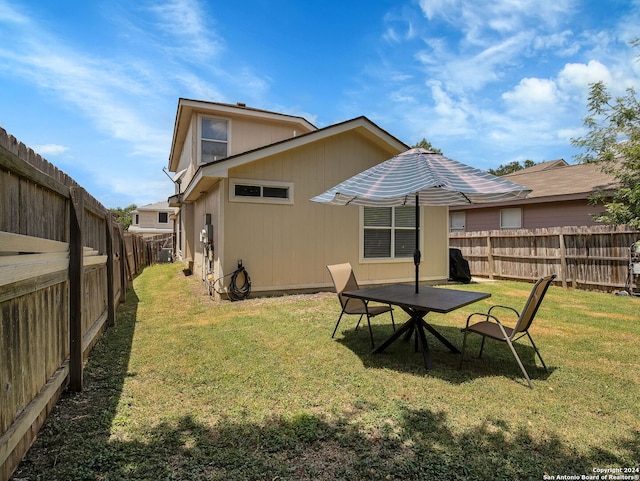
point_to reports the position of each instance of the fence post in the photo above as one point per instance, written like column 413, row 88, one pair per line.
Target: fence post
column 563, row 259
column 490, row 255
column 76, row 287
column 124, row 280
column 111, row 304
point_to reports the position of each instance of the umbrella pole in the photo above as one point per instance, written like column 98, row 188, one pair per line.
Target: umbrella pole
column 416, row 253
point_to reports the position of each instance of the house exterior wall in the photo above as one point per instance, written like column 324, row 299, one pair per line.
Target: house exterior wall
column 560, row 214
column 534, row 215
column 145, row 221
column 208, row 204
column 243, row 135
column 285, row 247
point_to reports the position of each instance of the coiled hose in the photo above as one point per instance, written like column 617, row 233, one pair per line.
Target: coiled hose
column 239, row 292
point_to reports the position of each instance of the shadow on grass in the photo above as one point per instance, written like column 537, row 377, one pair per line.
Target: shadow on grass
column 496, row 360
column 76, row 441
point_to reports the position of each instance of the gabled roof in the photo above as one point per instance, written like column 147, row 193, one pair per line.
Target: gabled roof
column 209, row 174
column 158, row 206
column 556, row 181
column 187, row 107
column 549, row 164
column 563, row 179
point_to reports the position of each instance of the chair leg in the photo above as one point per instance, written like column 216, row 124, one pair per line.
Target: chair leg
column 515, row 354
column 359, row 319
column 481, row 347
column 537, row 352
column 370, row 331
column 392, row 321
column 464, row 347
column 337, row 323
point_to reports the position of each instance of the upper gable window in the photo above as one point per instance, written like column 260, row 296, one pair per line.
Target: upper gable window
column 214, row 139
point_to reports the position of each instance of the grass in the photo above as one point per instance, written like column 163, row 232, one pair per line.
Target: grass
column 186, row 388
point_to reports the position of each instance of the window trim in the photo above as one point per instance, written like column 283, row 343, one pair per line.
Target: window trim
column 388, row 260
column 512, row 209
column 200, row 139
column 260, row 183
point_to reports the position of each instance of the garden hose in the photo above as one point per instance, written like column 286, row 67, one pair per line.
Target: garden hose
column 239, row 292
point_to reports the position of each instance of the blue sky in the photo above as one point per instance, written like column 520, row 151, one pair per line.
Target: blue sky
column 94, row 85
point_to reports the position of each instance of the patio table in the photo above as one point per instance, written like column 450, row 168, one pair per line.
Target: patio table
column 429, row 299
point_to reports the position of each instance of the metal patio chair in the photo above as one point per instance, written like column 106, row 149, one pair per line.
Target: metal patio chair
column 345, row 280
column 493, row 328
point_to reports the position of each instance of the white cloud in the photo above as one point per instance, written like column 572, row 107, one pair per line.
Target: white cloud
column 576, row 77
column 184, row 20
column 532, row 94
column 50, row 149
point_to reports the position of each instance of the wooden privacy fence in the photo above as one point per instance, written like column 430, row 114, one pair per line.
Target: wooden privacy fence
column 64, row 268
column 593, row 258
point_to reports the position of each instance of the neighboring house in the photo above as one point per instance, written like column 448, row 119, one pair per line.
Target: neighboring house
column 244, row 178
column 560, row 197
column 153, row 219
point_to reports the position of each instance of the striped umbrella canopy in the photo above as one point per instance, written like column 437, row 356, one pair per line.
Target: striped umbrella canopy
column 421, row 177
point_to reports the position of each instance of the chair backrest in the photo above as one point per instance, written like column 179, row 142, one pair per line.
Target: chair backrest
column 343, row 280
column 533, row 303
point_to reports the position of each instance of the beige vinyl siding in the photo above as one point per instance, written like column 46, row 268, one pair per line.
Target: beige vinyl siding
column 244, row 135
column 288, row 246
column 251, row 134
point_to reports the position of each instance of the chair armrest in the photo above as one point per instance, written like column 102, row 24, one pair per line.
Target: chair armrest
column 497, row 306
column 488, row 315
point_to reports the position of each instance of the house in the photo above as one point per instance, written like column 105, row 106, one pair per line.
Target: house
column 560, row 197
column 153, row 219
column 244, row 179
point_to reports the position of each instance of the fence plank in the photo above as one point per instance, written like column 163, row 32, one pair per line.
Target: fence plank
column 76, row 289
column 10, row 242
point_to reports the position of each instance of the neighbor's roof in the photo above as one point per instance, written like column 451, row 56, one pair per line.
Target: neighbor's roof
column 555, row 179
column 158, row 206
column 549, row 164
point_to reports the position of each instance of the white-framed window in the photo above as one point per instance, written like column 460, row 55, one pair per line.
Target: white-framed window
column 511, row 218
column 214, row 139
column 163, row 217
column 260, row 191
column 457, row 221
column 136, row 219
column 388, row 232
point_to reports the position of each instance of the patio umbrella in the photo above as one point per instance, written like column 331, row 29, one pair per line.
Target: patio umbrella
column 421, row 177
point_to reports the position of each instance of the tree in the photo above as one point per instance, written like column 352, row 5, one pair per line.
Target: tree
column 613, row 140
column 123, row 215
column 511, row 167
column 425, row 144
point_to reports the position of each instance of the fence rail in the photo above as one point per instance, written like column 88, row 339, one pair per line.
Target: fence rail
column 64, row 268
column 593, row 258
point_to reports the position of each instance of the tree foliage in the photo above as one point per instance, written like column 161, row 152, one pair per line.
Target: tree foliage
column 511, row 167
column 425, row 144
column 123, row 215
column 613, row 140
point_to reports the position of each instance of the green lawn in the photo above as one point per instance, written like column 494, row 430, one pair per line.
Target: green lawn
column 186, row 388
